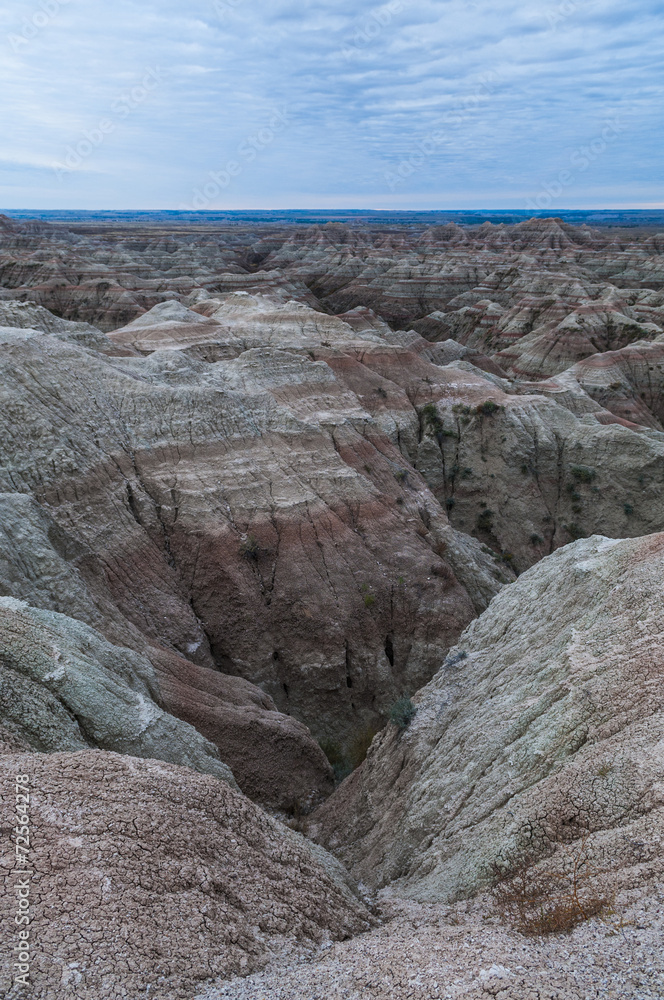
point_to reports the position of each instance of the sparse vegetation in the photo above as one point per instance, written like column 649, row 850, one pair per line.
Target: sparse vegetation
column 536, row 539
column 582, row 473
column 538, row 900
column 402, row 713
column 629, row 509
column 487, row 408
column 369, row 600
column 604, row 769
column 401, row 476
column 434, row 423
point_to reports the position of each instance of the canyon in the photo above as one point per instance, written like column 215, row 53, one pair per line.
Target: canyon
column 263, row 483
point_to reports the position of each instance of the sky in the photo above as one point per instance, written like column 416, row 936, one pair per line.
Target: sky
column 410, row 104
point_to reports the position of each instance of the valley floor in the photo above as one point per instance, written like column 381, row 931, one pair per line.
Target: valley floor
column 439, row 952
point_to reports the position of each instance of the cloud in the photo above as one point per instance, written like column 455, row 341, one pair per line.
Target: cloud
column 510, row 90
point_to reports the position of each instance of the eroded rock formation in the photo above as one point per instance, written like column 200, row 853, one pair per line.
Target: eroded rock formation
column 149, row 878
column 542, row 727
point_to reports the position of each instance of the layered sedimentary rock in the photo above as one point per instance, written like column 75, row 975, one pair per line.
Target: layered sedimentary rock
column 248, row 515
column 273, row 757
column 148, row 878
column 304, row 458
column 542, row 729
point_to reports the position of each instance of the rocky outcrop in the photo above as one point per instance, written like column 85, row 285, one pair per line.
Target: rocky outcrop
column 273, row 757
column 542, row 729
column 247, row 515
column 149, row 878
column 64, row 687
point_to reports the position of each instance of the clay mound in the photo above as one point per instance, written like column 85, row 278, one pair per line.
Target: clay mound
column 544, row 728
column 150, row 878
column 64, row 687
column 168, row 326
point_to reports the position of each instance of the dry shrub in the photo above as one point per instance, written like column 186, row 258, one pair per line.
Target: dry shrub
column 537, row 900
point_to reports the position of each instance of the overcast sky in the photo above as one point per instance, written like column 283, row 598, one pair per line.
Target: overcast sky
column 307, row 103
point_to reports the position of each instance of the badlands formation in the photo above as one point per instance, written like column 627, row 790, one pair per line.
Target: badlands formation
column 331, row 566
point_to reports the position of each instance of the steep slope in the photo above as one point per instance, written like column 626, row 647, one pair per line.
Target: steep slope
column 246, row 515
column 542, row 729
column 149, row 878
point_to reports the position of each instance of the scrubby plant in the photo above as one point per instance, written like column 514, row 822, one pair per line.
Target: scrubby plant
column 539, row 900
column 487, row 408
column 402, row 712
column 401, row 476
column 433, row 422
column 629, row 509
column 369, row 600
column 536, row 539
column 582, row 473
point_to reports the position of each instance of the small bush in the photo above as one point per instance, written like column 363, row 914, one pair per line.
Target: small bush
column 450, row 502
column 536, row 539
column 538, row 901
column 250, row 548
column 402, row 713
column 401, row 476
column 369, row 600
column 628, row 509
column 582, row 473
column 487, row 409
